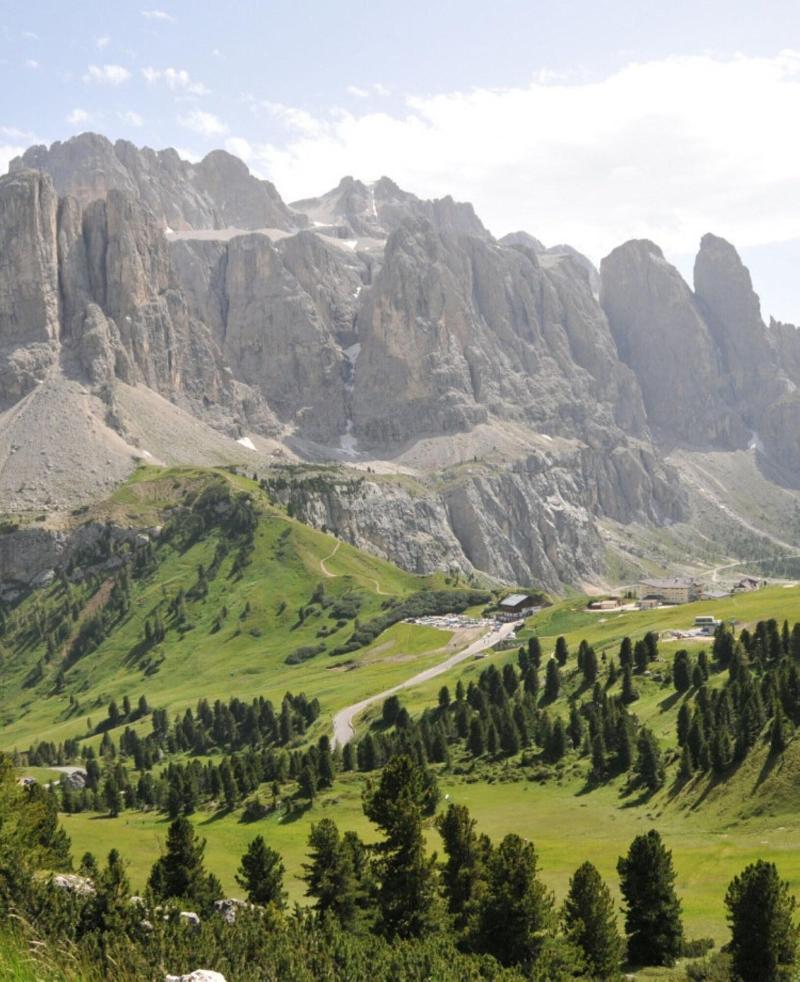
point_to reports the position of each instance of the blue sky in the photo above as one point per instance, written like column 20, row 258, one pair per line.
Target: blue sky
column 587, row 122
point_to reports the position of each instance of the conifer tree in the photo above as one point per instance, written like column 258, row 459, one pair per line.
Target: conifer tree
column 684, row 723
column 629, row 691
column 682, row 671
column 761, row 917
column 576, row 727
column 260, row 873
column 589, row 666
column 649, row 765
column 686, row 767
column 557, row 744
column 464, row 872
column 535, row 651
column 407, row 897
column 562, row 651
column 552, row 683
column 598, row 757
column 476, row 743
column 590, row 922
column 641, row 656
column 624, row 740
column 330, row 874
column 516, row 912
column 652, row 910
column 180, row 872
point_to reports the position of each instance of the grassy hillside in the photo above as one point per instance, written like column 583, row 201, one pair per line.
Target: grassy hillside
column 236, row 636
column 242, row 618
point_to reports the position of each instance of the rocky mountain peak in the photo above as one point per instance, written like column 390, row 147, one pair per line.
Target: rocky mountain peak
column 661, row 334
column 733, row 311
column 218, row 192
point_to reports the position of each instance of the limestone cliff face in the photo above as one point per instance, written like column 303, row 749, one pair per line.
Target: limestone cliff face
column 281, row 314
column 29, row 296
column 92, row 291
column 376, row 210
column 387, row 327
column 456, row 328
column 660, row 333
column 531, row 521
column 732, row 311
column 217, row 192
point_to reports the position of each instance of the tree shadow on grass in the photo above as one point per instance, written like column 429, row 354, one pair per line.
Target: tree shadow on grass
column 295, row 813
column 769, row 765
column 666, row 704
column 219, row 814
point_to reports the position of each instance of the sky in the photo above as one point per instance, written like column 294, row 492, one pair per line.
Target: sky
column 582, row 122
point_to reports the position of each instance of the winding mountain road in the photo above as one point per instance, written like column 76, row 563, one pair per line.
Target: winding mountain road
column 343, row 729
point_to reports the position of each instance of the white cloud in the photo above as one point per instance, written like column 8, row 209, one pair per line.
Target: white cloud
column 360, row 92
column 32, row 63
column 158, row 15
column 15, row 133
column 7, row 153
column 102, row 42
column 176, row 79
column 191, row 155
column 107, row 74
column 293, row 119
column 239, row 147
column 78, row 116
column 131, row 117
column 30, row 35
column 666, row 149
column 206, row 124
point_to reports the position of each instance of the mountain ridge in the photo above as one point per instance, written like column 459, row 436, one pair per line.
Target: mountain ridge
column 375, row 326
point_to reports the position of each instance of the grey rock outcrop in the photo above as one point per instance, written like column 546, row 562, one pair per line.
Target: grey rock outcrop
column 82, row 886
column 217, row 192
column 456, row 328
column 375, row 210
column 29, row 292
column 531, row 521
column 660, row 333
column 732, row 310
column 280, row 314
column 198, row 975
column 387, row 327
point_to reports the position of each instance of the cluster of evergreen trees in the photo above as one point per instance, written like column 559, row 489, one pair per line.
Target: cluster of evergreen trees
column 506, row 711
column 717, row 728
column 482, row 912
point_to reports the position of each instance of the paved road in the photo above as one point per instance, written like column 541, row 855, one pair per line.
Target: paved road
column 68, row 769
column 343, row 730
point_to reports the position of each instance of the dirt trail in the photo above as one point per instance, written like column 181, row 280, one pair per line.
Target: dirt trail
column 323, row 567
column 343, row 730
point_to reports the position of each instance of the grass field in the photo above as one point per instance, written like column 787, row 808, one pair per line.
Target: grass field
column 714, row 829
column 566, row 826
column 246, row 657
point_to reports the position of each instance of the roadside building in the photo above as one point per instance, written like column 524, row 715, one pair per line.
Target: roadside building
column 676, row 590
column 746, row 585
column 516, row 606
column 611, row 604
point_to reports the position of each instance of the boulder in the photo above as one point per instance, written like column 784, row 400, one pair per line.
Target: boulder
column 82, row 886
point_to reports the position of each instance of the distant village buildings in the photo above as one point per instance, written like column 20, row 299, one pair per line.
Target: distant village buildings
column 516, row 606
column 676, row 590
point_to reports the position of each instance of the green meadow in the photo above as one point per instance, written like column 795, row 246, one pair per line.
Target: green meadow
column 241, row 632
